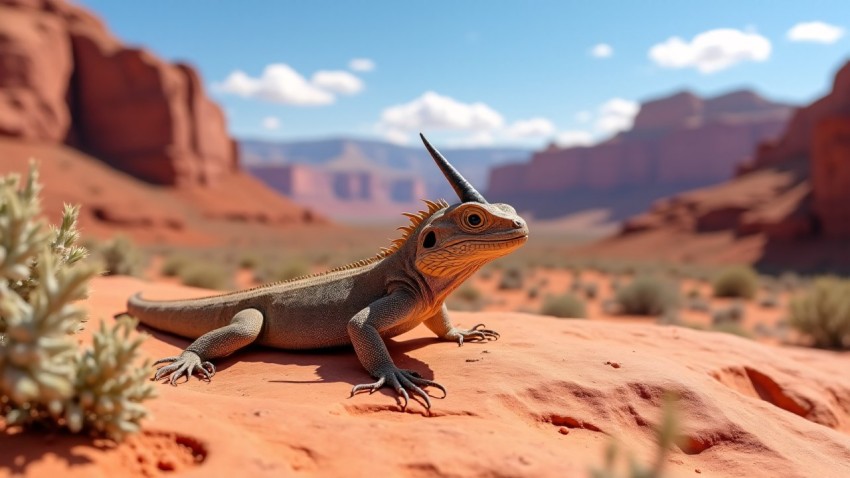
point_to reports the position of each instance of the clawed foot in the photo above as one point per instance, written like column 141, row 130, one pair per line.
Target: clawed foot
column 473, row 334
column 401, row 380
column 187, row 363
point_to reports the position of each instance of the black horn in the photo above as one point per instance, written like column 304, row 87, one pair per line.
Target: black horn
column 464, row 190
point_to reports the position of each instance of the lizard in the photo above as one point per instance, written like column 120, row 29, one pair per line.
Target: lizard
column 361, row 304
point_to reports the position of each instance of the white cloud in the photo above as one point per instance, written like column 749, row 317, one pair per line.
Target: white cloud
column 711, row 51
column 818, row 32
column 616, row 115
column 566, row 139
column 271, row 123
column 337, row 82
column 433, row 111
column 475, row 140
column 601, row 50
column 281, row 84
column 530, row 128
column 361, row 64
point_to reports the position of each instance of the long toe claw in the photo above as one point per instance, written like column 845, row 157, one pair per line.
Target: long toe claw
column 167, row 360
column 401, row 381
column 164, row 371
column 188, row 363
column 407, row 383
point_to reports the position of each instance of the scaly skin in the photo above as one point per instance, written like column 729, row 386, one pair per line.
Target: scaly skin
column 361, row 304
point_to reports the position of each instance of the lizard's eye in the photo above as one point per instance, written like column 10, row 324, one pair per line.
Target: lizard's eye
column 473, row 219
column 430, row 240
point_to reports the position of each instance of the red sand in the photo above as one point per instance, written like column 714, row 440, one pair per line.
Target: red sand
column 746, row 409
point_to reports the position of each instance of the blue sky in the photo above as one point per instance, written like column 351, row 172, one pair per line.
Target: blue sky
column 476, row 72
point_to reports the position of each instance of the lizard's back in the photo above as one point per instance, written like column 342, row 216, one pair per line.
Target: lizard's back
column 312, row 312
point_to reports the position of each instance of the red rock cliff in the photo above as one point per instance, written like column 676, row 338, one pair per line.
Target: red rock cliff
column 680, row 141
column 65, row 79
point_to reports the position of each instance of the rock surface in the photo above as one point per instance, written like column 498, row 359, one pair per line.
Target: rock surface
column 544, row 400
column 66, row 79
column 677, row 143
column 787, row 208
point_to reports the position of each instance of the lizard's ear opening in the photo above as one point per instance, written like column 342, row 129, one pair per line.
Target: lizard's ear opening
column 430, row 240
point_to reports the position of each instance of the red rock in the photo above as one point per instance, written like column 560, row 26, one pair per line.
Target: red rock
column 677, row 142
column 830, row 176
column 745, row 408
column 35, row 68
column 138, row 113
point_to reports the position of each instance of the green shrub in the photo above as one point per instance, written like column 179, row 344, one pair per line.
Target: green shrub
column 44, row 378
column 120, row 257
column 206, row 275
column 566, row 306
column 290, row 270
column 647, row 295
column 823, row 313
column 591, row 290
column 173, row 265
column 736, row 281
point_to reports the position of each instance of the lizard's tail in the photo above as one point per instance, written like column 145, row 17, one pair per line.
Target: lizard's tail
column 189, row 318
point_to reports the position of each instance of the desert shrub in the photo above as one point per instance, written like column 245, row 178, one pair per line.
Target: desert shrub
column 733, row 314
column 566, row 306
column 647, row 295
column 732, row 328
column 173, row 265
column 120, row 257
column 769, row 301
column 694, row 293
column 736, row 281
column 533, row 292
column 512, row 279
column 468, row 293
column 467, row 298
column 290, row 270
column 591, row 290
column 206, row 275
column 44, row 378
column 823, row 313
column 249, row 261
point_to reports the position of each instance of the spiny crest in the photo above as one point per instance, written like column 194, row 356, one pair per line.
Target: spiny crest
column 415, row 220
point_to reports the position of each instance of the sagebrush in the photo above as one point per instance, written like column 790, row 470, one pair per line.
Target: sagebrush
column 44, row 377
column 823, row 313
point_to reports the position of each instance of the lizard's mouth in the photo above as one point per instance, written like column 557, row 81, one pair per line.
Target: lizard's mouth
column 501, row 241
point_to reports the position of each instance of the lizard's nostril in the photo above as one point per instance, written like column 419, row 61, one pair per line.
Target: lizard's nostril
column 518, row 223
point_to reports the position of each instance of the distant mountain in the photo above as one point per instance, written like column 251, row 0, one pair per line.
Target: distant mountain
column 677, row 143
column 361, row 180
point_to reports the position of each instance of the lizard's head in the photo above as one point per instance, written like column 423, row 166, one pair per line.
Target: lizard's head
column 465, row 236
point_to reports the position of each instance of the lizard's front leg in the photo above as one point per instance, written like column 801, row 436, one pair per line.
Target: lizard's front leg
column 442, row 326
column 364, row 330
column 243, row 329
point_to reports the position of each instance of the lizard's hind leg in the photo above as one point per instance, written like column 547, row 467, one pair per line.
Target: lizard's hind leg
column 242, row 330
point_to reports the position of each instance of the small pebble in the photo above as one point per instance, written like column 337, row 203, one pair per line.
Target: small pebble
column 564, row 431
column 697, row 470
column 613, row 364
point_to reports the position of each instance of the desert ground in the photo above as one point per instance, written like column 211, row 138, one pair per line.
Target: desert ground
column 547, row 399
